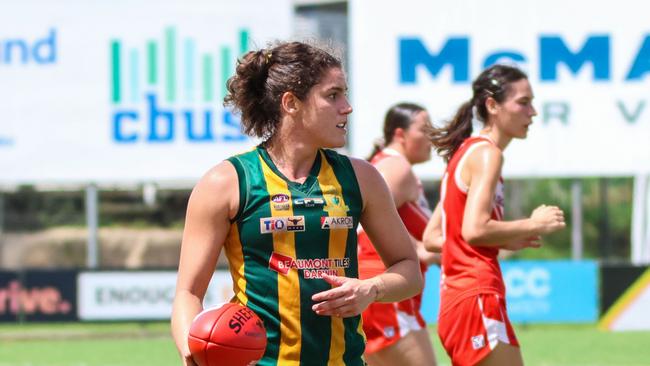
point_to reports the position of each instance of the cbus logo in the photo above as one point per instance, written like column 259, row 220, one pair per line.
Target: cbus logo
column 162, row 98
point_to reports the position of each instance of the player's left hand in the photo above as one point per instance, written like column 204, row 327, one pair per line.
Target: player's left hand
column 534, row 241
column 348, row 297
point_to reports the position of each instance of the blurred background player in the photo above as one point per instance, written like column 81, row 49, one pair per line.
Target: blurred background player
column 286, row 213
column 473, row 323
column 396, row 332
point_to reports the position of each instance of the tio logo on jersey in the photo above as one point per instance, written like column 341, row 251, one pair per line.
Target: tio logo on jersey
column 280, row 224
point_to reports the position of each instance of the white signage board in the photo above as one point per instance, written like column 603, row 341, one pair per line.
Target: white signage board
column 139, row 295
column 588, row 63
column 124, row 91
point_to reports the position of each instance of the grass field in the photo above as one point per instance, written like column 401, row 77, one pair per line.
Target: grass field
column 143, row 344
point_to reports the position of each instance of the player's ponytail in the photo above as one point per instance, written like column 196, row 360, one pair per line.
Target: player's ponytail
column 377, row 146
column 447, row 139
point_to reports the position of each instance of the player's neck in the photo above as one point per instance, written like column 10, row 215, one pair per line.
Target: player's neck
column 499, row 139
column 397, row 149
column 294, row 159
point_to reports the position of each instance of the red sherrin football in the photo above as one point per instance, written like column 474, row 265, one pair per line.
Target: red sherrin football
column 228, row 335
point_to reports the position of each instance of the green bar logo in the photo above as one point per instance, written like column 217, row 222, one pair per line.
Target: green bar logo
column 166, row 90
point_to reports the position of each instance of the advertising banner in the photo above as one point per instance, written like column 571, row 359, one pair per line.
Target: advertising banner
column 590, row 79
column 38, row 296
column 625, row 297
column 139, row 295
column 124, row 91
column 536, row 291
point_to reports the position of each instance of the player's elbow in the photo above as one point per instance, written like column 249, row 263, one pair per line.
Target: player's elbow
column 473, row 235
column 417, row 285
column 414, row 278
column 433, row 243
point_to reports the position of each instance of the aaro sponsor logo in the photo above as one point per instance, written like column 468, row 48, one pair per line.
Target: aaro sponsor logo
column 336, row 222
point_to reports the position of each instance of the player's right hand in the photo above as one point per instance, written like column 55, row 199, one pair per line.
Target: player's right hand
column 548, row 219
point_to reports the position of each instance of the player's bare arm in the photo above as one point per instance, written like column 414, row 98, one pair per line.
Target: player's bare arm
column 433, row 238
column 387, row 232
column 214, row 200
column 481, row 174
column 399, row 177
column 404, row 187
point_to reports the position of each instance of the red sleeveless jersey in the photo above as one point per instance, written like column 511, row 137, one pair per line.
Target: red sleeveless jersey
column 414, row 215
column 466, row 270
column 386, row 323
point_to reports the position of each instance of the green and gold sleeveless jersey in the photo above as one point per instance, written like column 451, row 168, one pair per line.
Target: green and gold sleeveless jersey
column 284, row 237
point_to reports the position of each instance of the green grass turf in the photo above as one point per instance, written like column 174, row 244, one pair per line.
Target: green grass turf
column 573, row 345
column 87, row 344
column 142, row 344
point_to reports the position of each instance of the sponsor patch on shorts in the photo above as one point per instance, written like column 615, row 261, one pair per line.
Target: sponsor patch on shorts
column 478, row 341
column 389, row 332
